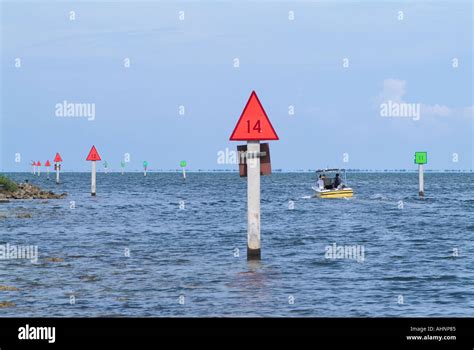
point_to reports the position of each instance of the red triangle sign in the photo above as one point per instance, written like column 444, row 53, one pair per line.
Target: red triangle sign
column 47, row 163
column 58, row 158
column 39, row 163
column 253, row 124
column 93, row 154
column 34, row 164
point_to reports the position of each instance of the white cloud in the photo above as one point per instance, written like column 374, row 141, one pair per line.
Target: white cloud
column 468, row 112
column 436, row 110
column 393, row 89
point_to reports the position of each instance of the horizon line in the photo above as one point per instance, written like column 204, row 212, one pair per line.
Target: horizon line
column 236, row 171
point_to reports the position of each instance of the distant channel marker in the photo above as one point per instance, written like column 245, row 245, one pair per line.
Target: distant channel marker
column 38, row 163
column 57, row 165
column 47, row 165
column 93, row 157
column 421, row 158
column 183, row 164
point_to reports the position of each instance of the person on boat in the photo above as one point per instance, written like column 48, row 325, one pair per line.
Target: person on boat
column 321, row 182
column 337, row 181
column 326, row 182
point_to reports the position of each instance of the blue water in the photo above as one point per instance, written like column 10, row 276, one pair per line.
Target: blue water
column 199, row 252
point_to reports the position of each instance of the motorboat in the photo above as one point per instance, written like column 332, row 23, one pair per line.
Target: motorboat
column 327, row 188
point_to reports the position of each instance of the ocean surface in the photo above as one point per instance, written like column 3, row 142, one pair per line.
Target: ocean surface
column 158, row 246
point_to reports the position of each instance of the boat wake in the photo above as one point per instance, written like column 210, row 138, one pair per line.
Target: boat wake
column 379, row 196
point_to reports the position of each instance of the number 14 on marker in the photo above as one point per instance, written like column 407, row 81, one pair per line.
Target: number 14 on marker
column 256, row 127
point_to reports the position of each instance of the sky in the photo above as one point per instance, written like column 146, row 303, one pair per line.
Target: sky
column 322, row 71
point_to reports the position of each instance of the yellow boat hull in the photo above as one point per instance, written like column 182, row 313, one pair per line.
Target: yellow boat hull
column 345, row 193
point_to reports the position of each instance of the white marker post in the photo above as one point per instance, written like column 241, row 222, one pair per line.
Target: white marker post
column 122, row 164
column 39, row 168
column 93, row 157
column 183, row 165
column 47, row 165
column 57, row 166
column 34, row 168
column 93, row 178
column 421, row 158
column 253, row 126
column 421, row 190
column 145, row 166
column 253, row 200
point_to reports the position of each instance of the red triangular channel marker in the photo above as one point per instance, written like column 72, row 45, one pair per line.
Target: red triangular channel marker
column 34, row 164
column 253, row 124
column 58, row 158
column 39, row 163
column 47, row 163
column 93, row 154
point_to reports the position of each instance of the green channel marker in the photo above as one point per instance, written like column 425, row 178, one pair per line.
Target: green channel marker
column 421, row 157
column 183, row 165
column 122, row 164
column 145, row 164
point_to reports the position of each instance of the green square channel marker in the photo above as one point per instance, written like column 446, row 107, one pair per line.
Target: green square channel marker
column 182, row 164
column 421, row 157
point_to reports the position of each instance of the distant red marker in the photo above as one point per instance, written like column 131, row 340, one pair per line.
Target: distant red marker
column 93, row 157
column 58, row 158
column 47, row 165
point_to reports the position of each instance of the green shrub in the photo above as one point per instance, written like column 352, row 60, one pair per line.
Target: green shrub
column 7, row 185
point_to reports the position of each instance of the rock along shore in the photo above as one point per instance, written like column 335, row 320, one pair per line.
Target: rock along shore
column 28, row 191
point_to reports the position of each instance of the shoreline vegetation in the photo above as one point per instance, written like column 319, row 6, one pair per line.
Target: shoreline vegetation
column 10, row 189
